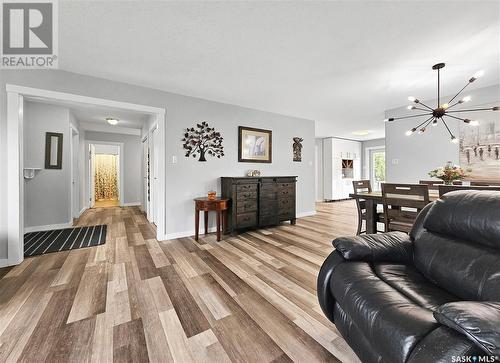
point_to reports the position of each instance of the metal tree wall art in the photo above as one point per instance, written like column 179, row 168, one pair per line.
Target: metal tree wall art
column 203, row 140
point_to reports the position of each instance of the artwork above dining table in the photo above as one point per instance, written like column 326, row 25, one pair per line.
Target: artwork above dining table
column 480, row 148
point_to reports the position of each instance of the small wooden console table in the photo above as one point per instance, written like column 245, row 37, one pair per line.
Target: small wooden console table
column 219, row 205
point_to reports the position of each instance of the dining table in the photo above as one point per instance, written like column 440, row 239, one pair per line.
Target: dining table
column 374, row 198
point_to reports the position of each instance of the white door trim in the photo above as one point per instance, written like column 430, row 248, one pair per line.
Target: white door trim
column 73, row 129
column 15, row 163
column 121, row 163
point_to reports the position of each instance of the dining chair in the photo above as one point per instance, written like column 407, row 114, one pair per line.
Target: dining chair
column 484, row 184
column 443, row 189
column 363, row 186
column 434, row 184
column 402, row 202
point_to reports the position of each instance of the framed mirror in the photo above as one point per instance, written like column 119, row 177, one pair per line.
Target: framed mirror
column 53, row 150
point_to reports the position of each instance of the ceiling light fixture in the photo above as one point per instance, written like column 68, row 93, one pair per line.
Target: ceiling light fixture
column 442, row 110
column 112, row 121
column 361, row 132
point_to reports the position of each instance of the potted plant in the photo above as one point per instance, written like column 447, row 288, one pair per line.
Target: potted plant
column 448, row 173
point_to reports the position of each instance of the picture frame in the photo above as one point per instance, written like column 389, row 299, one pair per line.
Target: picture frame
column 255, row 145
column 53, row 150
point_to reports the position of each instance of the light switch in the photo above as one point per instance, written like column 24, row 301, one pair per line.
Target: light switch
column 174, row 159
column 395, row 161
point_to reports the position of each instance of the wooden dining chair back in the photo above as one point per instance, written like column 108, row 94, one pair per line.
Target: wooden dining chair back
column 443, row 189
column 432, row 184
column 402, row 202
column 361, row 186
column 484, row 184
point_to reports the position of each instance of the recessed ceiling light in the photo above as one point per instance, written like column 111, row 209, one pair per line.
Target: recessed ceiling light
column 361, row 132
column 111, row 120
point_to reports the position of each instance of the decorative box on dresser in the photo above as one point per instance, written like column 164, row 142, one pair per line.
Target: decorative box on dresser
column 259, row 201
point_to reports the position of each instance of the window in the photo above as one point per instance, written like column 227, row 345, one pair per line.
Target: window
column 377, row 168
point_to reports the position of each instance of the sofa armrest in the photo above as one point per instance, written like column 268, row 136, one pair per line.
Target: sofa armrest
column 477, row 320
column 325, row 296
column 382, row 247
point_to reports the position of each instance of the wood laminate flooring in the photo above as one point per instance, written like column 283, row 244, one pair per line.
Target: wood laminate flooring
column 250, row 298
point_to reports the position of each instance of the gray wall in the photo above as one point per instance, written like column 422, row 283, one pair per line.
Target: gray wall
column 188, row 178
column 132, row 159
column 47, row 195
column 365, row 162
column 409, row 158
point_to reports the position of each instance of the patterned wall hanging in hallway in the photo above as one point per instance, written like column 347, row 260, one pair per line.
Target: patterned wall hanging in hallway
column 106, row 177
column 203, row 140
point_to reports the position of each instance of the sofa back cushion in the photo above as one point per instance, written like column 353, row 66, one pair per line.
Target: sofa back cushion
column 466, row 269
column 469, row 215
column 459, row 247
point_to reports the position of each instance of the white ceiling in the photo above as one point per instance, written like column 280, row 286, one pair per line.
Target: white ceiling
column 93, row 117
column 339, row 63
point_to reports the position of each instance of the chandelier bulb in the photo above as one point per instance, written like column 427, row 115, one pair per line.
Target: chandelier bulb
column 409, row 132
column 422, row 130
column 411, row 107
column 466, row 99
column 412, row 99
column 435, row 122
column 389, row 119
column 454, row 140
column 474, row 123
column 478, row 74
column 445, row 106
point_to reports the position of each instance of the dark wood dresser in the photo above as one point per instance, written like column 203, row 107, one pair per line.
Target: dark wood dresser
column 259, row 201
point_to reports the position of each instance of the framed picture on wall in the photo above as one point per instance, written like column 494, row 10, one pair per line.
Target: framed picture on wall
column 255, row 145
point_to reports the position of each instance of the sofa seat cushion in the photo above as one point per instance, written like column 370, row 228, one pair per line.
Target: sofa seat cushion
column 411, row 283
column 390, row 320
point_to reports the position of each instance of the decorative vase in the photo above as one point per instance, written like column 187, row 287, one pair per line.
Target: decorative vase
column 448, row 182
column 212, row 195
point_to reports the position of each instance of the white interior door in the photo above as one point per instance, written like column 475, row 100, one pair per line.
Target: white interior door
column 91, row 176
column 154, row 179
column 75, row 175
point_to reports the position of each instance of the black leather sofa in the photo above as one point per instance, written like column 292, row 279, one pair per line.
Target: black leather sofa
column 430, row 296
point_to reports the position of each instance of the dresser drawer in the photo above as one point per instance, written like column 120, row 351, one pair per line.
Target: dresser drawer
column 243, row 206
column 246, row 220
column 286, row 203
column 246, row 196
column 246, row 188
column 286, row 185
column 286, row 192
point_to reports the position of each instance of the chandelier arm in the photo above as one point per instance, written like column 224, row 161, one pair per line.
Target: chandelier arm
column 447, row 128
column 423, row 104
column 458, row 118
column 459, row 92
column 456, row 103
column 420, row 114
column 428, row 121
column 420, row 109
column 474, row 109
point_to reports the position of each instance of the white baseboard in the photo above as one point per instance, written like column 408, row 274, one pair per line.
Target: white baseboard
column 133, row 204
column 48, row 227
column 81, row 212
column 213, row 229
column 5, row 262
column 187, row 233
column 306, row 214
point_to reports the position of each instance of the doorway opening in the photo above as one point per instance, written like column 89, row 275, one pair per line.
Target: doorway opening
column 87, row 125
column 105, row 175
